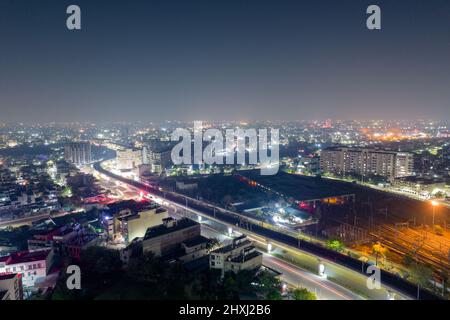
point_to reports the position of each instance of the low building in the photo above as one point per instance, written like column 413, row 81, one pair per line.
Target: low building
column 51, row 237
column 127, row 220
column 64, row 240
column 180, row 239
column 132, row 250
column 193, row 249
column 240, row 255
column 135, row 225
column 11, row 287
column 30, row 265
column 174, row 240
column 82, row 241
column 422, row 187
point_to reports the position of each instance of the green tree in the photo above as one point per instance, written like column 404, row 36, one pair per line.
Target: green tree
column 303, row 294
column 146, row 268
column 270, row 286
column 66, row 192
column 101, row 260
column 335, row 245
column 421, row 274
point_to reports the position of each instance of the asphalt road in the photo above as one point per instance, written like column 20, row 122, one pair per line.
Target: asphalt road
column 291, row 274
column 350, row 264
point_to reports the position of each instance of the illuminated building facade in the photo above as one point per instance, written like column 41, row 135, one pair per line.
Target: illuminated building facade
column 78, row 153
column 240, row 255
column 366, row 162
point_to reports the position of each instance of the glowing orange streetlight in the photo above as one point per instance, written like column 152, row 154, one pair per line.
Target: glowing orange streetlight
column 434, row 204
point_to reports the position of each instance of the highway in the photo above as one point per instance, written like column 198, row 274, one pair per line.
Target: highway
column 291, row 274
column 402, row 287
column 296, row 277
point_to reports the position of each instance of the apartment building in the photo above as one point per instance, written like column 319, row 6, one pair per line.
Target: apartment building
column 240, row 255
column 30, row 265
column 366, row 162
column 127, row 220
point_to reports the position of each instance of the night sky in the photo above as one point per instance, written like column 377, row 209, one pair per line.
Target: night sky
column 223, row 60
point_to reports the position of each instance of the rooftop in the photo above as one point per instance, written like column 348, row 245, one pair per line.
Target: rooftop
column 8, row 276
column 168, row 228
column 195, row 241
column 238, row 242
column 246, row 257
column 133, row 205
column 25, row 256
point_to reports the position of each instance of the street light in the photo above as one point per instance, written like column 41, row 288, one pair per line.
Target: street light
column 434, row 204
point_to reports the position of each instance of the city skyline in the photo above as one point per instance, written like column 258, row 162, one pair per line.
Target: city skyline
column 224, row 61
column 224, row 156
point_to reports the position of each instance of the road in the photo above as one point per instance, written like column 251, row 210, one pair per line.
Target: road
column 296, row 276
column 352, row 268
column 291, row 274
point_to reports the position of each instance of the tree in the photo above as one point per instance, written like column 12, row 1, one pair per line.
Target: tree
column 421, row 274
column 303, row 294
column 379, row 249
column 335, row 245
column 408, row 259
column 66, row 192
column 212, row 244
column 438, row 230
column 146, row 268
column 269, row 285
column 101, row 260
column 230, row 285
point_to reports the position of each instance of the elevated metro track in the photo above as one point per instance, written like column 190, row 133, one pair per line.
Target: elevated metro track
column 226, row 216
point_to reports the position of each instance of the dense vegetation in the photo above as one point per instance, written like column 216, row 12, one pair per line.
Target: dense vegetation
column 148, row 277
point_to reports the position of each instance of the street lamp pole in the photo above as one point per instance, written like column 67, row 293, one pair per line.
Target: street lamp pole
column 434, row 211
column 434, row 204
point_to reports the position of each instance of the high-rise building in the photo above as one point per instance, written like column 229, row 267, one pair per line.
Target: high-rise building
column 78, row 153
column 160, row 161
column 366, row 162
column 129, row 158
column 404, row 164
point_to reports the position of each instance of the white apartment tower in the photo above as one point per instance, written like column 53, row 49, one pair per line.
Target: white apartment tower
column 78, row 153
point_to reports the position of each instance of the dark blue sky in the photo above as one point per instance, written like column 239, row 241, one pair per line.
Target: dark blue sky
column 223, row 59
